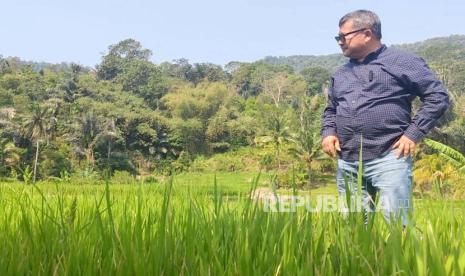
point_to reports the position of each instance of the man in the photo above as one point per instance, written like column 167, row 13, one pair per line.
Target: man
column 369, row 112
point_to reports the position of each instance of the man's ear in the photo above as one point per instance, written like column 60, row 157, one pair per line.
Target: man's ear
column 368, row 35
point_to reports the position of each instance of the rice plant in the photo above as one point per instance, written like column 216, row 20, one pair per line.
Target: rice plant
column 171, row 229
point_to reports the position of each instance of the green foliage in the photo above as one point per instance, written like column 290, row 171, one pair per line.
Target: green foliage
column 194, row 73
column 294, row 177
column 54, row 163
column 10, row 156
column 86, row 176
column 122, row 177
column 306, row 140
column 219, row 163
column 150, row 179
column 27, row 175
column 119, row 55
column 244, row 159
column 316, row 78
column 249, row 80
column 117, row 161
column 188, row 135
column 130, row 114
column 442, row 174
column 278, row 125
column 301, row 62
column 201, row 114
column 453, row 156
column 40, row 123
column 6, row 98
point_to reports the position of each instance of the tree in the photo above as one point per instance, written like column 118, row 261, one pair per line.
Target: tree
column 144, row 79
column 127, row 63
column 4, row 66
column 82, row 133
column 118, row 56
column 276, row 86
column 316, row 79
column 106, row 136
column 10, row 156
column 194, row 73
column 147, row 134
column 230, row 128
column 37, row 129
column 451, row 126
column 191, row 109
column 249, row 79
column 277, row 123
column 306, row 142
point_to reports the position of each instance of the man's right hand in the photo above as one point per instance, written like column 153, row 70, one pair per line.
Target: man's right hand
column 331, row 145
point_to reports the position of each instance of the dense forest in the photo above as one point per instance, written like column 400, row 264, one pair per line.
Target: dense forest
column 130, row 116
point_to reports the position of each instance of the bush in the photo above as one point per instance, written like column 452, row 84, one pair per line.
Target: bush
column 117, row 162
column 182, row 163
column 297, row 176
column 86, row 176
column 54, row 163
column 150, row 179
column 122, row 177
column 163, row 167
column 219, row 162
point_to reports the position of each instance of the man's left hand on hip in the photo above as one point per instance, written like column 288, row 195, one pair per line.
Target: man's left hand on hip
column 404, row 146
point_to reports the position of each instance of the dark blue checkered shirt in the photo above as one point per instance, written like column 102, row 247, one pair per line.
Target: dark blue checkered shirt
column 373, row 99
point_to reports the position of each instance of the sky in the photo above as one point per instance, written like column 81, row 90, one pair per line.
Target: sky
column 215, row 31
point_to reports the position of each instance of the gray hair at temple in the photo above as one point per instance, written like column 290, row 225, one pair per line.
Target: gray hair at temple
column 363, row 19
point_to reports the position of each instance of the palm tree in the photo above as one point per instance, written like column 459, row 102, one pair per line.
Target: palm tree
column 10, row 156
column 106, row 134
column 306, row 143
column 277, row 124
column 83, row 132
column 306, row 147
column 36, row 128
column 88, row 131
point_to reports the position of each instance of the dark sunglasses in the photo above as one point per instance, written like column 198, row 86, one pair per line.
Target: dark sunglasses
column 342, row 37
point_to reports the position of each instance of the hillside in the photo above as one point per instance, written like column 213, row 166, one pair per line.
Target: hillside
column 433, row 50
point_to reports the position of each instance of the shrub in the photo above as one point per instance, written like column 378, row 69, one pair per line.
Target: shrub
column 54, row 163
column 219, row 162
column 122, row 177
column 150, row 179
column 117, row 162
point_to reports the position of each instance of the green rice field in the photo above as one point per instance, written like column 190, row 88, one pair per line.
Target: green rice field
column 204, row 224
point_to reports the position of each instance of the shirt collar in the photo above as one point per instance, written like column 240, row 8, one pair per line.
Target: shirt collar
column 371, row 56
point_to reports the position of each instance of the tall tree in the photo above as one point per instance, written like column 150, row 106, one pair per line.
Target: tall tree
column 36, row 128
column 278, row 131
column 10, row 156
column 316, row 79
column 306, row 142
column 119, row 55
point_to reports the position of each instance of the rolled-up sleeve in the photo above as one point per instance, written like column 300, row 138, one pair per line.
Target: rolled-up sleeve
column 421, row 81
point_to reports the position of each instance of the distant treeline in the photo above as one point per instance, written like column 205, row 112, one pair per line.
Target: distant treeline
column 130, row 114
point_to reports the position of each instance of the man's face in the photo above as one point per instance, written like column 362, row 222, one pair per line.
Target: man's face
column 353, row 45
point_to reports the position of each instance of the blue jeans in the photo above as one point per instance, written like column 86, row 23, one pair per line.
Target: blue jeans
column 386, row 175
